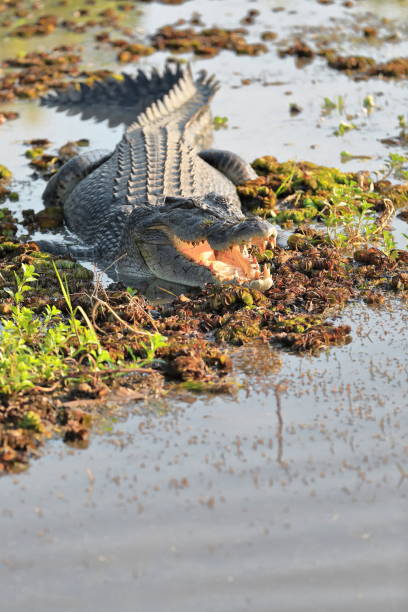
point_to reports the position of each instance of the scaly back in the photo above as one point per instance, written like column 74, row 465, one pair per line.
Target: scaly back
column 166, row 117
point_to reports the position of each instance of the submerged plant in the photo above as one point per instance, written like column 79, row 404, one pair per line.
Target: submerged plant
column 343, row 127
column 329, row 105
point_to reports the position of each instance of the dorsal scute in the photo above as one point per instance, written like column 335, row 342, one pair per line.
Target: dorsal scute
column 185, row 94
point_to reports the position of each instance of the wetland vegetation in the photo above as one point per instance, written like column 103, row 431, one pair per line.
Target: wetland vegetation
column 68, row 341
column 224, row 448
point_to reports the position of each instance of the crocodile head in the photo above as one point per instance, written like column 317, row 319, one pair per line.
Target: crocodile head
column 194, row 241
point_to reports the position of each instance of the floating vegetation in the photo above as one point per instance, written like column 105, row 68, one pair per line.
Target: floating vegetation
column 298, row 49
column 350, row 205
column 220, row 122
column 359, row 67
column 8, row 116
column 363, row 67
column 116, row 339
column 5, row 193
column 206, row 42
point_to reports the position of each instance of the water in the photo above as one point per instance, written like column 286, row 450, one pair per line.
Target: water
column 218, row 505
column 269, row 501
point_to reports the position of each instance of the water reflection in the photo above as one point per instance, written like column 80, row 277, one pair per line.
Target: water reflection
column 154, row 289
column 278, row 390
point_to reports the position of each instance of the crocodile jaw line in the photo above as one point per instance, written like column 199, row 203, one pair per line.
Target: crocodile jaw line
column 233, row 264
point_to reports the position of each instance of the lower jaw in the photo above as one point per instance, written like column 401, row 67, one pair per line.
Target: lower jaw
column 261, row 284
column 261, row 279
column 234, row 265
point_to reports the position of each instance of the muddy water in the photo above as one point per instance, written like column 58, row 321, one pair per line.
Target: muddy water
column 292, row 495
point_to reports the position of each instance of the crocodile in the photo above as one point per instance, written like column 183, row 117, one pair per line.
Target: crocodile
column 161, row 205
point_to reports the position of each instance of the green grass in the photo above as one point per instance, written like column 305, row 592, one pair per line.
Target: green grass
column 395, row 165
column 42, row 348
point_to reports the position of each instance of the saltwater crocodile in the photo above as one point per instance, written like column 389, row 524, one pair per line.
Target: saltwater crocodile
column 159, row 205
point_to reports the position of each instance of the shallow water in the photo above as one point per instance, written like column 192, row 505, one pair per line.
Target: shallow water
column 217, row 505
column 229, row 503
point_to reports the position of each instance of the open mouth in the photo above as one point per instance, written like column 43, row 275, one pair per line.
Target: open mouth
column 236, row 263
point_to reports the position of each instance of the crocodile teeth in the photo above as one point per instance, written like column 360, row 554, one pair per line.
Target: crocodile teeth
column 262, row 284
column 233, row 264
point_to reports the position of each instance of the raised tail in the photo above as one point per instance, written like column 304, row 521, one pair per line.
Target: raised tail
column 137, row 100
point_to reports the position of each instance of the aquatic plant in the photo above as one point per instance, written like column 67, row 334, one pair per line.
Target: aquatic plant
column 41, row 348
column 395, row 165
column 343, row 127
column 220, row 122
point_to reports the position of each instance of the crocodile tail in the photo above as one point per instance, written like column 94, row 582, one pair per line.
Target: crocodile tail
column 125, row 99
column 118, row 99
column 187, row 100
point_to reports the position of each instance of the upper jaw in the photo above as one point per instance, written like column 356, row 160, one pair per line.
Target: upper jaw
column 250, row 230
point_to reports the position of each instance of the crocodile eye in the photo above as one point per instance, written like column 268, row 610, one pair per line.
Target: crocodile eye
column 216, row 198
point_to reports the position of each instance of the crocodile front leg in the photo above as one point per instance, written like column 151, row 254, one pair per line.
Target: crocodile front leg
column 231, row 165
column 71, row 173
column 76, row 251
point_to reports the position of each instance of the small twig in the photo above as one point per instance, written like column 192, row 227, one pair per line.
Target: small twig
column 47, row 389
column 168, row 291
column 110, row 371
column 289, row 198
column 121, row 321
column 278, row 389
column 114, row 262
column 388, row 212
